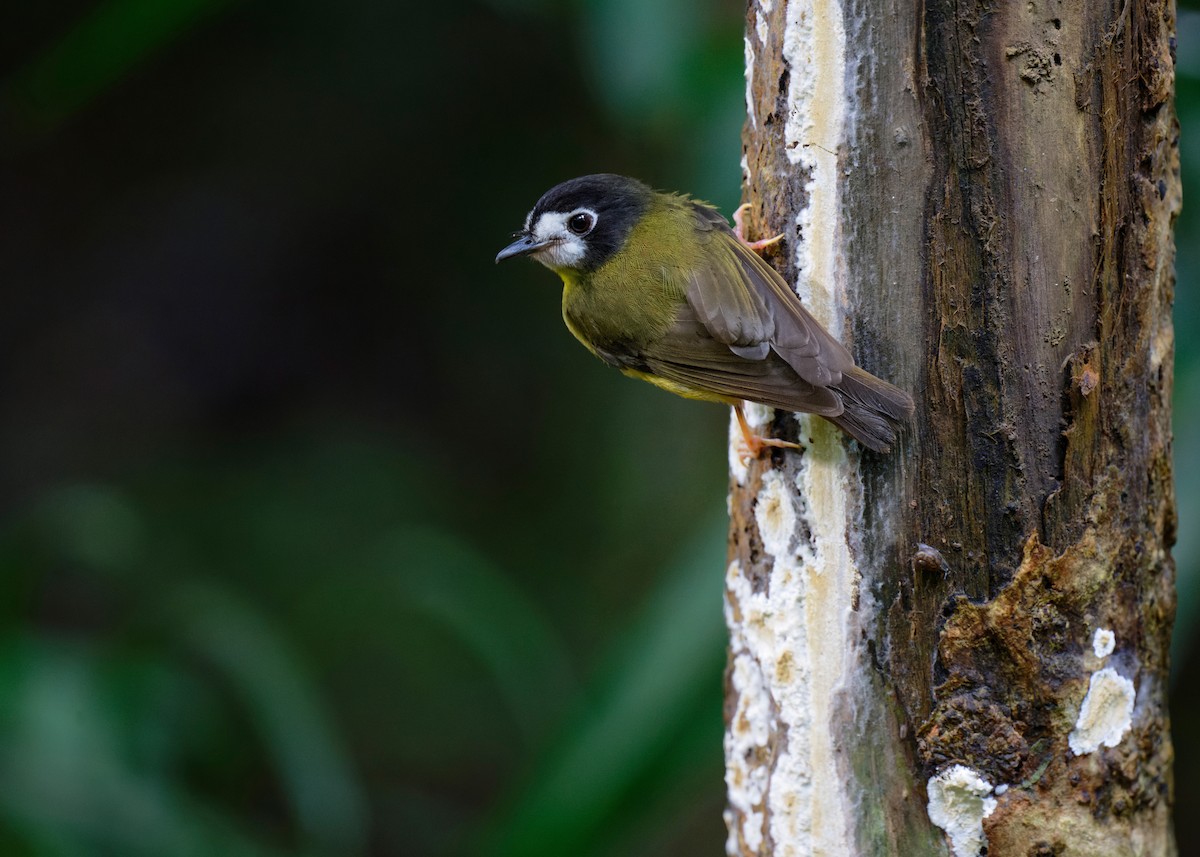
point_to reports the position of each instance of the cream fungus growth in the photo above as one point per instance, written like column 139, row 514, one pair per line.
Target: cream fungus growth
column 959, row 800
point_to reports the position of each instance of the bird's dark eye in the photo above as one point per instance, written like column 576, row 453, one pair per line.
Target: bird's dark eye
column 581, row 223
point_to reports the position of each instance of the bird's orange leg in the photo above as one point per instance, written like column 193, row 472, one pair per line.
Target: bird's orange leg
column 756, row 443
column 739, row 229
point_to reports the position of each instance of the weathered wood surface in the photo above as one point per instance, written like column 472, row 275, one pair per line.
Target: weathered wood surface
column 978, row 197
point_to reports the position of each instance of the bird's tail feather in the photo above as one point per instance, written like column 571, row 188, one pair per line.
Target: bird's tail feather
column 874, row 409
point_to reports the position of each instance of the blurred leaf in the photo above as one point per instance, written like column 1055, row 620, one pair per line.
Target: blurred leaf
column 290, row 716
column 626, row 722
column 439, row 575
column 65, row 778
column 684, row 782
column 639, row 52
column 93, row 525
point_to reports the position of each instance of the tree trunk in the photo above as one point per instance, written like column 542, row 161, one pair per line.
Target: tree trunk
column 963, row 644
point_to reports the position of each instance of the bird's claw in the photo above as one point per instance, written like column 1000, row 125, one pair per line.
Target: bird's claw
column 739, row 229
column 753, row 444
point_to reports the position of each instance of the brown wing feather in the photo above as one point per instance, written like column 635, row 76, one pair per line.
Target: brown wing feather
column 690, row 356
column 742, row 333
column 736, row 277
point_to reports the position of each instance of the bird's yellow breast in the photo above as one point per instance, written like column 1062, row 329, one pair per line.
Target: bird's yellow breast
column 679, row 389
column 633, row 297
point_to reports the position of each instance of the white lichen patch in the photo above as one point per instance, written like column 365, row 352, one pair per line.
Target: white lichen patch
column 739, row 453
column 772, row 682
column 959, row 800
column 757, row 415
column 799, row 626
column 791, row 643
column 1106, row 713
column 825, row 486
column 760, row 26
column 814, row 48
column 1103, row 642
column 749, row 728
column 752, row 830
column 750, row 83
column 752, row 721
column 775, row 515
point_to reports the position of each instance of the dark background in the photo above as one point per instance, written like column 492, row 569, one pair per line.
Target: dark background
column 319, row 535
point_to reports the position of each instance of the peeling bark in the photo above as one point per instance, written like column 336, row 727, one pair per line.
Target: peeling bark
column 978, row 198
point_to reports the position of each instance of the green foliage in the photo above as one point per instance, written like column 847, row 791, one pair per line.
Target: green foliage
column 249, row 614
column 648, row 703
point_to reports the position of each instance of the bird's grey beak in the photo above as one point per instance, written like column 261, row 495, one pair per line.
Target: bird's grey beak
column 523, row 246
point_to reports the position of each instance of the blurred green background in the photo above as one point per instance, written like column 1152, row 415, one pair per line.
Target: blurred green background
column 314, row 529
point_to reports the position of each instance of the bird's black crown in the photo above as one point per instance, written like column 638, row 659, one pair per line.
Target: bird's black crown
column 619, row 202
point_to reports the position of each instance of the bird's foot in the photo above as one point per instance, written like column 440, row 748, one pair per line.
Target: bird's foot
column 756, row 443
column 739, row 229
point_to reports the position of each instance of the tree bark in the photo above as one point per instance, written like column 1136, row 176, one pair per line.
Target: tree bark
column 961, row 647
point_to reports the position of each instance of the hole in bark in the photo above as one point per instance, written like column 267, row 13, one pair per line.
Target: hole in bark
column 1057, row 59
column 1057, row 22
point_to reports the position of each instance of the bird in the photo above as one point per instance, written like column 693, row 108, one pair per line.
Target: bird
column 659, row 286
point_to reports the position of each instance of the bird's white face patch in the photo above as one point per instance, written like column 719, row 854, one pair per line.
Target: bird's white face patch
column 567, row 249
